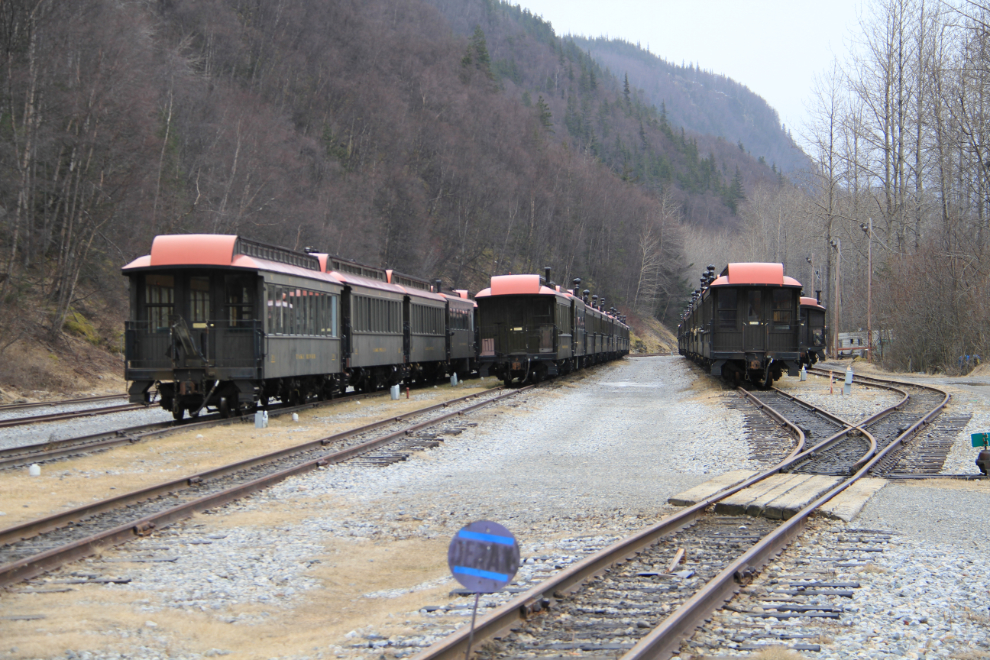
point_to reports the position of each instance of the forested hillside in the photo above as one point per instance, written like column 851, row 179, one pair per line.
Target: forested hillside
column 703, row 101
column 454, row 139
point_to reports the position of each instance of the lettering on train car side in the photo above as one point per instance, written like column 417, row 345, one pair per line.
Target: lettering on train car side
column 379, row 350
column 305, row 356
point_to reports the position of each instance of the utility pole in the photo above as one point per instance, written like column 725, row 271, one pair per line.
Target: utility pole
column 869, row 286
column 837, row 244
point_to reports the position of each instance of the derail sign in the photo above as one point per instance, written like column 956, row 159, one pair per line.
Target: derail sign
column 483, row 557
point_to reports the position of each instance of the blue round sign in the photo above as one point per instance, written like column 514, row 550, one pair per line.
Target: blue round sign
column 483, row 557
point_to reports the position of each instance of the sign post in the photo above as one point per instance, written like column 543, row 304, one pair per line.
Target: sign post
column 484, row 557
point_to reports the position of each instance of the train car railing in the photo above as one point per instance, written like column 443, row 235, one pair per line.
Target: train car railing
column 217, row 344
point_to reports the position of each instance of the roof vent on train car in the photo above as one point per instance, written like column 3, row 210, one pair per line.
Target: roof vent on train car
column 309, row 249
column 594, row 301
column 438, row 284
column 546, row 270
column 818, row 296
column 577, row 284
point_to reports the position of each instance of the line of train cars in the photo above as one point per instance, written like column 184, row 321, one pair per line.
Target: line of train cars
column 225, row 323
column 751, row 323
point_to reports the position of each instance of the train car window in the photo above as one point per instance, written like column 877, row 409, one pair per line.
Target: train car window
column 299, row 312
column 310, row 309
column 360, row 313
column 199, row 301
column 316, row 308
column 271, row 300
column 333, row 316
column 159, row 300
column 755, row 308
column 727, row 309
column 285, row 311
column 783, row 304
column 276, row 305
column 299, row 318
column 326, row 321
column 239, row 294
column 289, row 311
column 269, row 309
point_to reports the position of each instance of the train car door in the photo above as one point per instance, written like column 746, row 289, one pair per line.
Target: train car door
column 782, row 323
column 754, row 320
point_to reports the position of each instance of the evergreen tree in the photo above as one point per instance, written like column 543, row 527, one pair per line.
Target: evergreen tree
column 527, row 100
column 477, row 53
column 735, row 193
column 544, row 115
column 572, row 120
column 627, row 92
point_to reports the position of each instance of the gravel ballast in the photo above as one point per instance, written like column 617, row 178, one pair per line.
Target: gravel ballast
column 20, row 436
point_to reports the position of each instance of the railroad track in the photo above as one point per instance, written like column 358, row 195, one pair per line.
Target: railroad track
column 39, row 546
column 65, row 402
column 45, row 452
column 73, row 414
column 639, row 597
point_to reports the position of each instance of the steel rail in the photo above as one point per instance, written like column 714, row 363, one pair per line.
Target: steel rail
column 54, row 417
column 663, row 641
column 501, row 619
column 65, row 402
column 37, row 564
column 851, row 426
column 47, row 451
column 660, row 642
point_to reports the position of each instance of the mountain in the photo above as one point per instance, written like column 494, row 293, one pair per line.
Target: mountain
column 702, row 101
column 601, row 112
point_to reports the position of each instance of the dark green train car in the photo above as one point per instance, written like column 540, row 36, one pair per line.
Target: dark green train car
column 530, row 331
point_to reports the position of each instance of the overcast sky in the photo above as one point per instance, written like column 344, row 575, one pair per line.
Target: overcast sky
column 774, row 47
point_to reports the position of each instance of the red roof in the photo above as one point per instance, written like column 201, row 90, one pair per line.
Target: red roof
column 811, row 302
column 509, row 285
column 755, row 273
column 189, row 249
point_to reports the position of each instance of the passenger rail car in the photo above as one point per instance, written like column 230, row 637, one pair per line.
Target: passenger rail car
column 530, row 329
column 227, row 323
column 814, row 331
column 745, row 324
column 462, row 332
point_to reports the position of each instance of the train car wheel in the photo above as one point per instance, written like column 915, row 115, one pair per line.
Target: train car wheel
column 224, row 407
column 507, row 381
column 177, row 413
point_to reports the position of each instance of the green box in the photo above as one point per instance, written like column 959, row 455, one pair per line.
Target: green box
column 980, row 440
